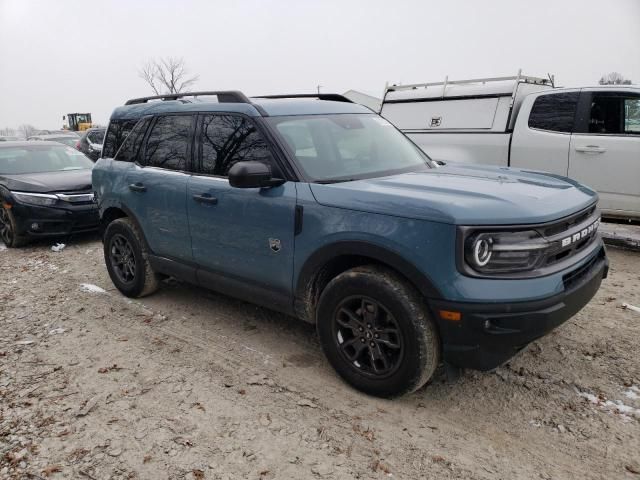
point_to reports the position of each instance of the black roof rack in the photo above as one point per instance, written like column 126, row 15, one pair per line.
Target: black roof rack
column 224, row 96
column 335, row 97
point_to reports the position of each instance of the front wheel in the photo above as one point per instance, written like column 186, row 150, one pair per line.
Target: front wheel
column 375, row 330
column 9, row 228
column 127, row 259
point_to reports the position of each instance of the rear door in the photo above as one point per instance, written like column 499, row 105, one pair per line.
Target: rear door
column 242, row 238
column 156, row 185
column 542, row 133
column 605, row 149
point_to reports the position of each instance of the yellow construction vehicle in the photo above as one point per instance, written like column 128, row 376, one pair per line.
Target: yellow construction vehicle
column 77, row 122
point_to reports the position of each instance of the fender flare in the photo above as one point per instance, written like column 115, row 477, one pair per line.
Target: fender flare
column 325, row 254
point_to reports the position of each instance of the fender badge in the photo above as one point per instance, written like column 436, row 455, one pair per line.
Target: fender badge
column 274, row 244
column 436, row 121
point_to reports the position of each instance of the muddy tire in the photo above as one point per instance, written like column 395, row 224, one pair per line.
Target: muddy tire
column 376, row 332
column 127, row 259
column 9, row 229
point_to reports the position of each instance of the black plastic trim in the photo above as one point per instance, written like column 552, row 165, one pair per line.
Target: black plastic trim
column 445, row 99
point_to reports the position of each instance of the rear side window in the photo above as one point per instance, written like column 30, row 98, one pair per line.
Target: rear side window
column 96, row 136
column 131, row 147
column 554, row 112
column 228, row 139
column 632, row 115
column 168, row 142
column 116, row 135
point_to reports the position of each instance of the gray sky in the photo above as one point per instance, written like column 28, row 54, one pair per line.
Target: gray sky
column 67, row 56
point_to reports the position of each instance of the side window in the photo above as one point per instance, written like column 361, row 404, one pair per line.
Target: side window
column 554, row 112
column 168, row 142
column 116, row 135
column 632, row 115
column 131, row 147
column 96, row 136
column 228, row 139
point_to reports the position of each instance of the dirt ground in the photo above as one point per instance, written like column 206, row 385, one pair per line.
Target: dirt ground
column 190, row 384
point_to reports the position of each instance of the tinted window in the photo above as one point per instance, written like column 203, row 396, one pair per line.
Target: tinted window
column 96, row 136
column 116, row 135
column 554, row 112
column 131, row 147
column 228, row 139
column 632, row 115
column 612, row 113
column 168, row 142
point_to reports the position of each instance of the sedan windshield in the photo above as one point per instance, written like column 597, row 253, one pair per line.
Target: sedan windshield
column 71, row 141
column 49, row 157
column 343, row 147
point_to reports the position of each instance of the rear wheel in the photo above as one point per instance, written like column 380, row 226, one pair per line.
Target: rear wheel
column 376, row 332
column 127, row 259
column 8, row 229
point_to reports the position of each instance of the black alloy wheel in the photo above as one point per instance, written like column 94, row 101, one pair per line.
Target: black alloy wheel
column 6, row 227
column 122, row 258
column 368, row 336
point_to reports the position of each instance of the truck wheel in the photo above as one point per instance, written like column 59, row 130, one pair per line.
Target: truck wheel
column 376, row 332
column 9, row 230
column 127, row 259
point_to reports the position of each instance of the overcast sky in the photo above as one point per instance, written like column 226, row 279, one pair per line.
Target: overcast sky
column 67, row 56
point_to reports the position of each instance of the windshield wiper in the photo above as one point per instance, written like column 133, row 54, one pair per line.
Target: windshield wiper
column 342, row 180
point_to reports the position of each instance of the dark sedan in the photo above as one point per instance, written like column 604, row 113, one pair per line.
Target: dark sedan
column 45, row 190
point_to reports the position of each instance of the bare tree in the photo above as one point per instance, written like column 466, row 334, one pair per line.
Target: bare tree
column 167, row 75
column 8, row 131
column 613, row 78
column 27, row 130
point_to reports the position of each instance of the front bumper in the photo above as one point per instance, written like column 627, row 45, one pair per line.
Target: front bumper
column 488, row 334
column 53, row 221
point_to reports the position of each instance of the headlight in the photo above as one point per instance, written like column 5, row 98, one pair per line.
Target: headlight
column 504, row 252
column 40, row 199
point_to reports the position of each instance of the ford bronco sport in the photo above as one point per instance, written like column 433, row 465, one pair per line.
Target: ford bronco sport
column 321, row 209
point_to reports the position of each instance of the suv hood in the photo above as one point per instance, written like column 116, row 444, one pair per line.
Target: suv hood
column 64, row 181
column 463, row 195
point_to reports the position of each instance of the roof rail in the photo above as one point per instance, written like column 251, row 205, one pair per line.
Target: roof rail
column 224, row 96
column 336, row 97
column 517, row 78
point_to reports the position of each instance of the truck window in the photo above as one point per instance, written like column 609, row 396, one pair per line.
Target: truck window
column 632, row 115
column 554, row 112
column 613, row 113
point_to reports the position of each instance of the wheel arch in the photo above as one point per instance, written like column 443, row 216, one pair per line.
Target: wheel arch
column 333, row 259
column 114, row 212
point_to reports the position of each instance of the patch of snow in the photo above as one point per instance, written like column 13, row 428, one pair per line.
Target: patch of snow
column 632, row 392
column 57, row 331
column 618, row 407
column 3, row 247
column 88, row 287
column 58, row 247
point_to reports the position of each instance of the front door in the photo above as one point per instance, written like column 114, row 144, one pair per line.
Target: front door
column 242, row 239
column 605, row 149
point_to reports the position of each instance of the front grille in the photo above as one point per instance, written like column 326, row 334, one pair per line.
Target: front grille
column 570, row 236
column 84, row 197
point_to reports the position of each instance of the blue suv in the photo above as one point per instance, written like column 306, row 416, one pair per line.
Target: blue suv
column 319, row 208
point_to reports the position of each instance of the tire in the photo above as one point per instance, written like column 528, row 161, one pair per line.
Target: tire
column 391, row 350
column 9, row 229
column 127, row 259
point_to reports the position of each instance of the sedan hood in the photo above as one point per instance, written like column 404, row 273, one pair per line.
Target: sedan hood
column 463, row 195
column 65, row 181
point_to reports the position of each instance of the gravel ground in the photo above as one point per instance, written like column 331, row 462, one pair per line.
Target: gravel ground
column 190, row 384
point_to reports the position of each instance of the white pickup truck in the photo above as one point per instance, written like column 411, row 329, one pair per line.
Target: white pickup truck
column 591, row 134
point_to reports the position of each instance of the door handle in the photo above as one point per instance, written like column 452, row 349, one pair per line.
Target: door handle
column 137, row 187
column 590, row 149
column 206, row 198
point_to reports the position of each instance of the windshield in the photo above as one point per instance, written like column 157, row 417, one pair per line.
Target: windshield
column 71, row 141
column 342, row 147
column 42, row 158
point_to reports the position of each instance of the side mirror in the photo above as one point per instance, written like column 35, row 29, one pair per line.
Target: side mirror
column 252, row 175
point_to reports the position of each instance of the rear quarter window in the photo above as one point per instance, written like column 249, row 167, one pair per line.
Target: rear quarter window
column 554, row 112
column 116, row 135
